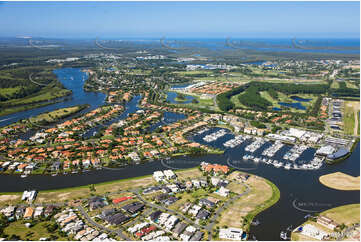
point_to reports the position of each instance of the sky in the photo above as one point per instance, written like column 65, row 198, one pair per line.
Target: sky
column 180, row 19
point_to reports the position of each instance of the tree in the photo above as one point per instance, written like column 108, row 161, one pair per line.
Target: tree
column 195, row 101
column 92, row 188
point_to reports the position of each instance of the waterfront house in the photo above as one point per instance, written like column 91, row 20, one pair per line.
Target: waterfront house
column 55, row 166
column 20, row 211
column 158, row 176
column 231, row 234
column 8, row 211
column 28, row 213
column 38, row 212
column 169, row 174
column 49, row 210
column 327, row 222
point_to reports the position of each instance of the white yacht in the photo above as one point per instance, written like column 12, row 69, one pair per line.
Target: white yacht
column 288, row 166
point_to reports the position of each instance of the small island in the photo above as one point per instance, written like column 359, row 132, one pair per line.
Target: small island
column 340, row 181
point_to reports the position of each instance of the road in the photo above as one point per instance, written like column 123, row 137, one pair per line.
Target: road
column 166, row 209
column 210, row 226
column 101, row 227
column 37, row 83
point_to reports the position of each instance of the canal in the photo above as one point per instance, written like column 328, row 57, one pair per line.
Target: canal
column 298, row 187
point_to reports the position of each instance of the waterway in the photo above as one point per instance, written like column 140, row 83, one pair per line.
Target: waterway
column 168, row 118
column 172, row 95
column 296, row 105
column 293, row 105
column 300, row 99
column 298, row 187
column 130, row 107
column 72, row 79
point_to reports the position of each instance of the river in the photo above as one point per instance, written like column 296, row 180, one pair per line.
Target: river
column 298, row 187
column 72, row 79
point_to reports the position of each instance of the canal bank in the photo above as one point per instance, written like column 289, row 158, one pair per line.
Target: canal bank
column 301, row 192
column 296, row 186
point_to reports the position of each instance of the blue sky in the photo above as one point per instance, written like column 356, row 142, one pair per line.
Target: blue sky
column 180, row 19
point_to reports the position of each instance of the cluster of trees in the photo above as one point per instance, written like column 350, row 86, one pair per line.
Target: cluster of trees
column 252, row 98
column 258, row 124
column 223, row 99
column 344, row 91
column 21, row 92
column 273, row 94
column 291, row 88
column 316, row 106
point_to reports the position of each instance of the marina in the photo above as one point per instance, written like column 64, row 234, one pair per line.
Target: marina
column 214, row 136
column 238, row 140
column 271, row 151
column 255, row 145
column 295, row 183
column 295, row 152
column 258, row 150
column 203, row 130
column 288, row 160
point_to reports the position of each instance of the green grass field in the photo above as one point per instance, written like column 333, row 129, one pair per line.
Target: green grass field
column 55, row 115
column 285, row 98
column 9, row 92
column 335, row 84
column 47, row 93
column 350, row 110
column 263, row 194
column 235, row 100
column 202, row 103
column 350, row 85
column 347, row 214
column 33, row 233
